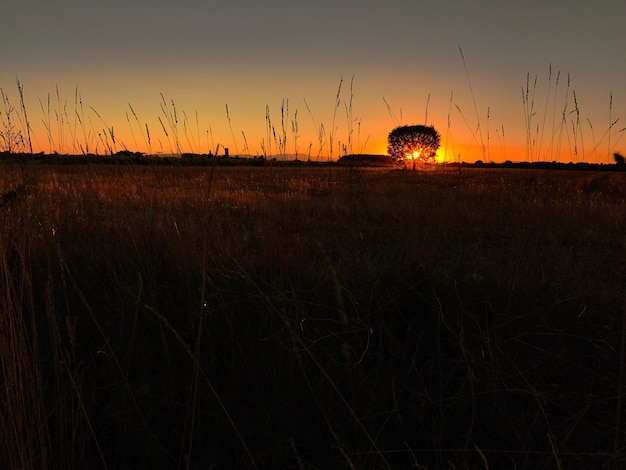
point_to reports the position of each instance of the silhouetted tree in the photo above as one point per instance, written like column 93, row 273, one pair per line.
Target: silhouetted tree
column 417, row 144
column 619, row 159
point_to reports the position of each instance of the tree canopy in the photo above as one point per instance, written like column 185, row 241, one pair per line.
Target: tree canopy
column 416, row 144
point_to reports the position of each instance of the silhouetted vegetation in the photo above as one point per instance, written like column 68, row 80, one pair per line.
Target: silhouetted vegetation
column 366, row 160
column 619, row 159
column 416, row 144
column 273, row 317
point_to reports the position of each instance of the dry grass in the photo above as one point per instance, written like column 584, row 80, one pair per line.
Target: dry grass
column 274, row 317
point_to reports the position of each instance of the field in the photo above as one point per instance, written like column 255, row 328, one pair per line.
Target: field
column 274, row 317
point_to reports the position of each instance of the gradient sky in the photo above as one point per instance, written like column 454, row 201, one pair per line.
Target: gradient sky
column 253, row 56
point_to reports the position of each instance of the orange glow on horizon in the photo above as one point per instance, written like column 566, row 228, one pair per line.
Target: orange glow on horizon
column 98, row 139
column 104, row 125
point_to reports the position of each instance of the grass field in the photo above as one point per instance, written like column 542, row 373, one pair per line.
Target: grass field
column 270, row 317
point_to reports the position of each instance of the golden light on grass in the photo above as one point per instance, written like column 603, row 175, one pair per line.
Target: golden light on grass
column 93, row 255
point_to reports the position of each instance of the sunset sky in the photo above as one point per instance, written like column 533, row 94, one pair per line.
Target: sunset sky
column 251, row 57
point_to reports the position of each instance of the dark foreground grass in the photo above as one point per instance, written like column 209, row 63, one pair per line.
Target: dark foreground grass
column 304, row 318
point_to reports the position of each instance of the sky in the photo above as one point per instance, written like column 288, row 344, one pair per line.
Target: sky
column 499, row 79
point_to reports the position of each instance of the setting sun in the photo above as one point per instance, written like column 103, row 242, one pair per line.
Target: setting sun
column 440, row 156
column 413, row 156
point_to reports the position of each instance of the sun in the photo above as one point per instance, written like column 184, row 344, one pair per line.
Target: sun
column 440, row 156
column 413, row 156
